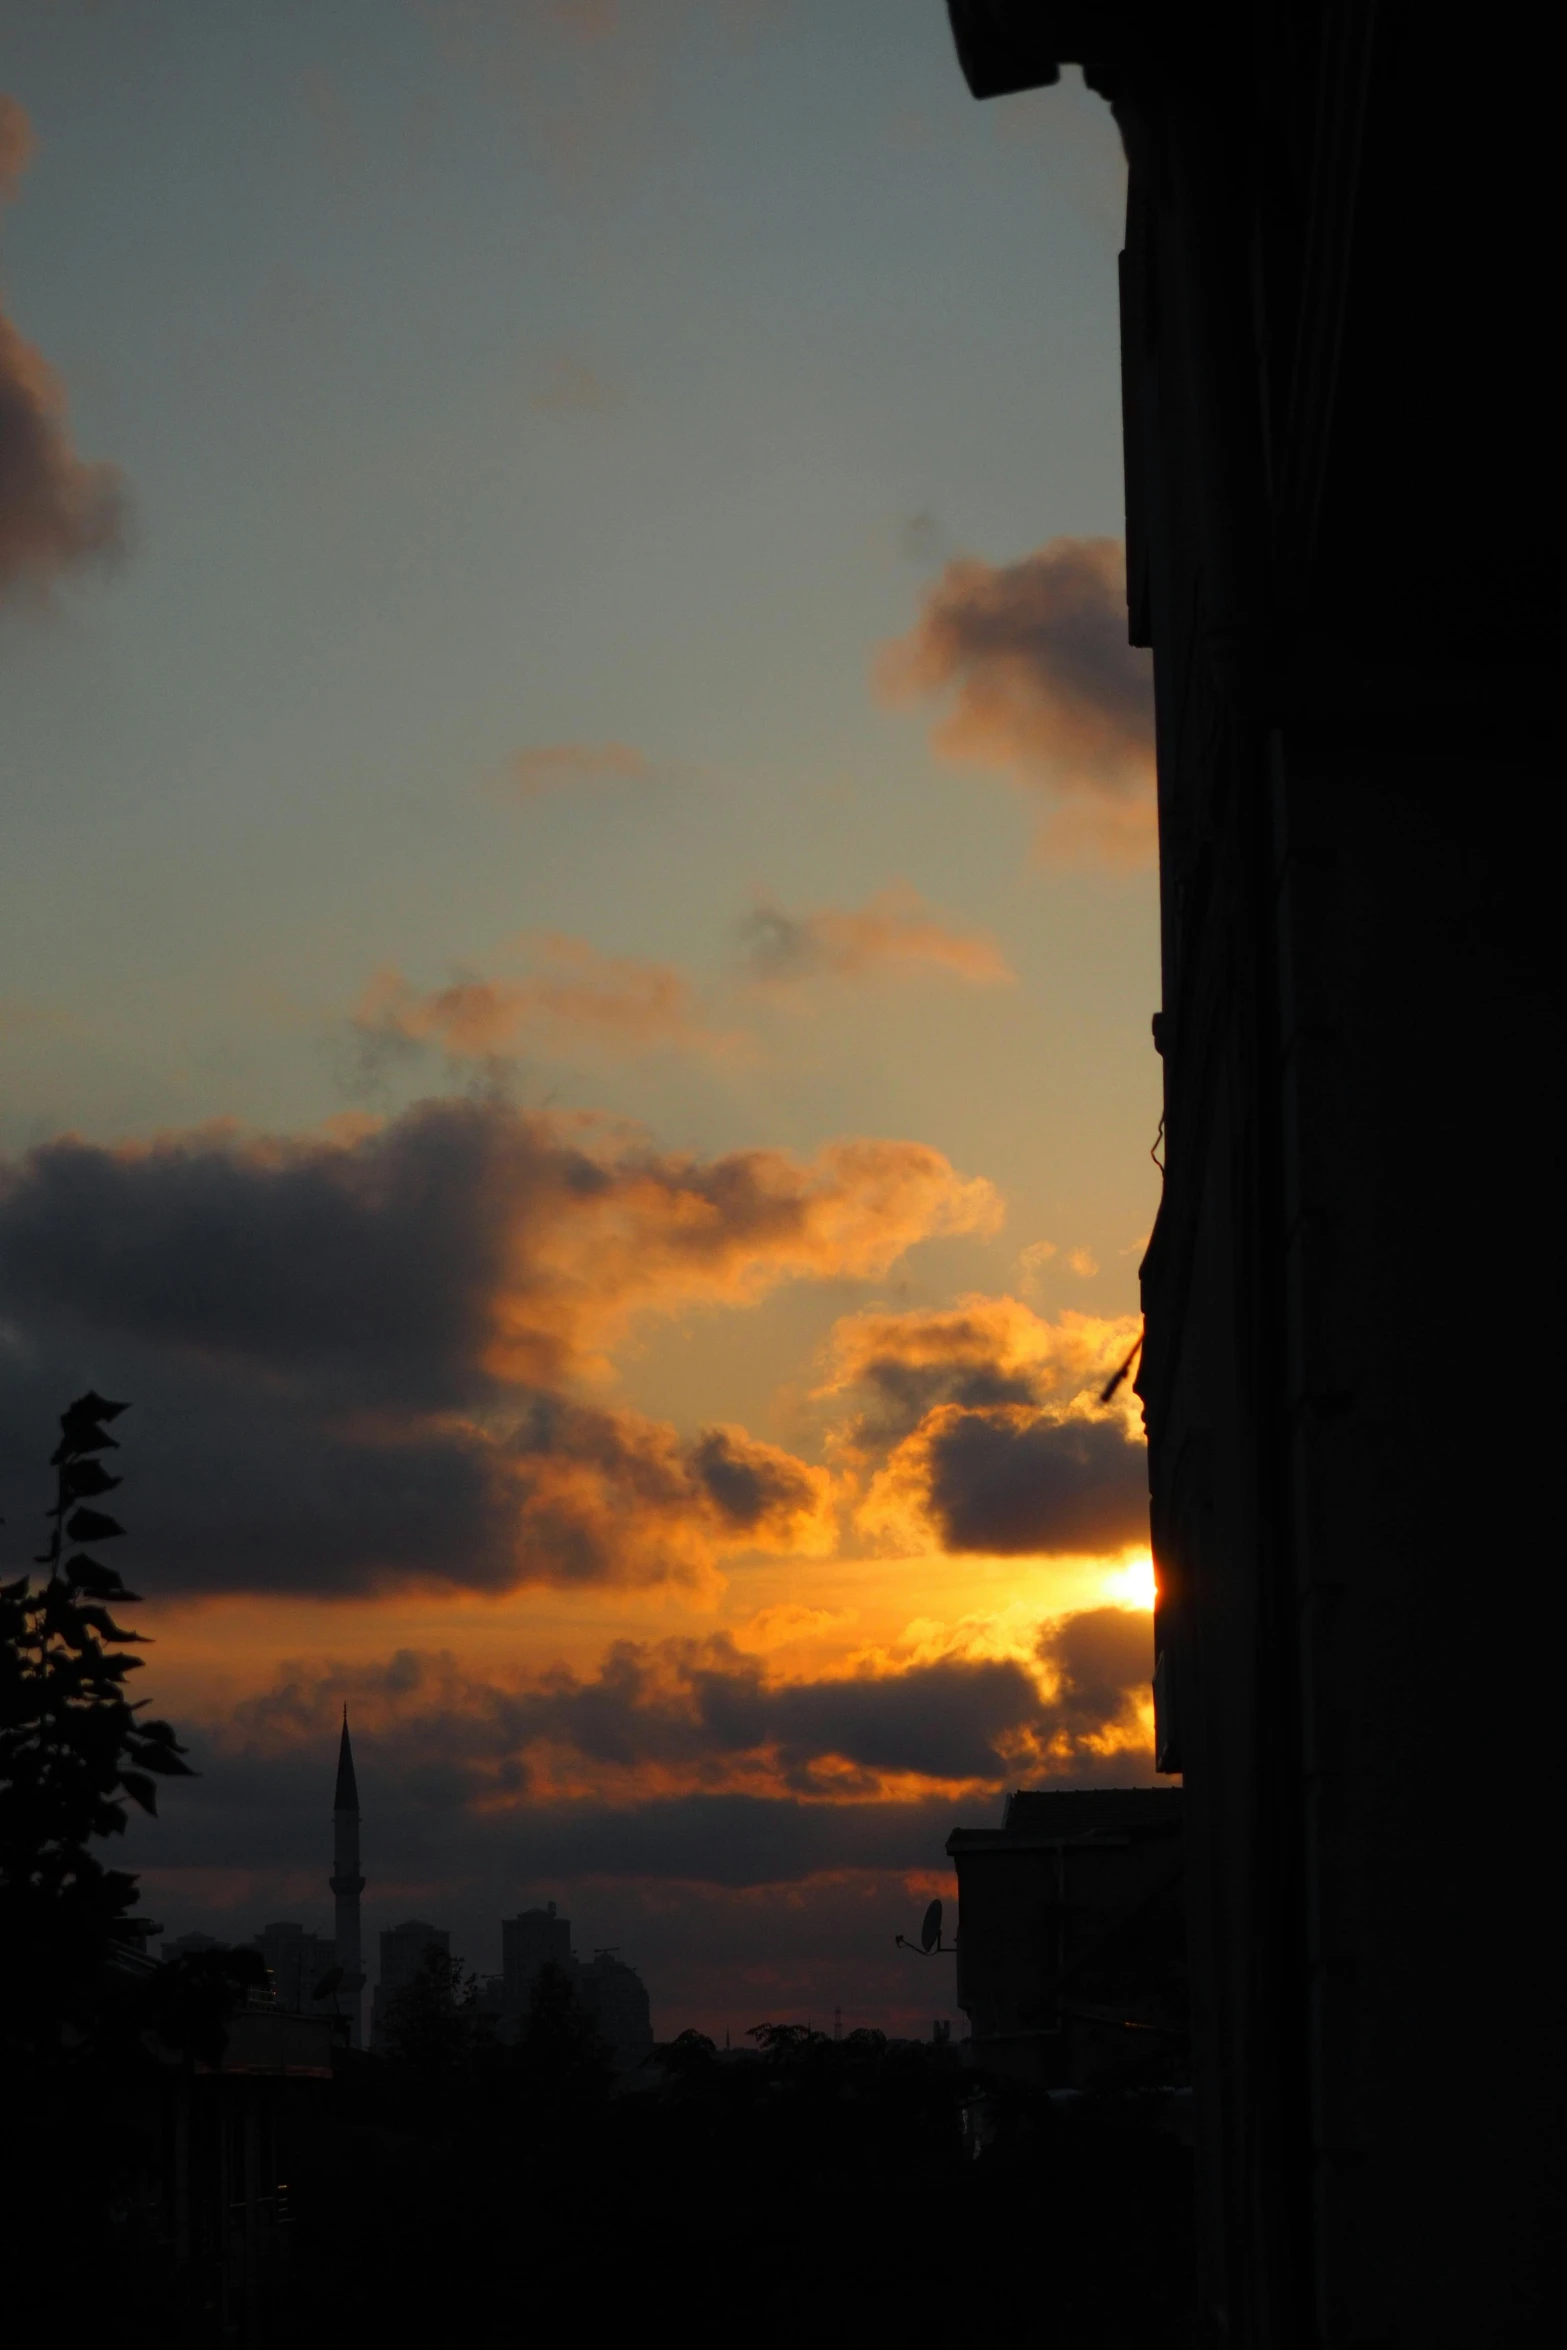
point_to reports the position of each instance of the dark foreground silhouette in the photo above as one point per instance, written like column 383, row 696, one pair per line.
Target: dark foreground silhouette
column 187, row 2164
column 804, row 2189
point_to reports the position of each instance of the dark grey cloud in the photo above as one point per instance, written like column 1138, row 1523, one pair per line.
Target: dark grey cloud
column 688, row 1706
column 905, row 1390
column 1016, row 1483
column 750, row 1484
column 699, row 1711
column 454, row 1758
column 290, row 1259
column 1101, row 1657
column 352, row 1359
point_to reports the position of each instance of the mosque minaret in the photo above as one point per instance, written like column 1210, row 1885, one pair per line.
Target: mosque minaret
column 347, row 1883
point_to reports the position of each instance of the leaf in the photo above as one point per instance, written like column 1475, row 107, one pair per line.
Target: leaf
column 92, row 1406
column 92, row 1526
column 88, row 1477
column 99, row 1620
column 91, row 1575
column 140, row 1789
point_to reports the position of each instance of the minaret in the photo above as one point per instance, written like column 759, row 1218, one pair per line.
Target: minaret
column 347, row 1883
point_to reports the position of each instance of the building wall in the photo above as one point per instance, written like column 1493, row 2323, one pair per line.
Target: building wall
column 1070, row 1939
column 1342, row 429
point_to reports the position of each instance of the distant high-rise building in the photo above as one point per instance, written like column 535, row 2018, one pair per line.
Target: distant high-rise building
column 531, row 1941
column 615, row 1995
column 188, row 1945
column 347, row 1885
column 297, row 1961
column 404, row 1950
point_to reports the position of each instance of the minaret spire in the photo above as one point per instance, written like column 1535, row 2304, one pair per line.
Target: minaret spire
column 347, row 1883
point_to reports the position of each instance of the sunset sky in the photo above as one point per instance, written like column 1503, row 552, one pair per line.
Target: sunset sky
column 577, row 938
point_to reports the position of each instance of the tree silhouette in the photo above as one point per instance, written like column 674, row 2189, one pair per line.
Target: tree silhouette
column 434, row 2023
column 73, row 1749
column 90, row 2030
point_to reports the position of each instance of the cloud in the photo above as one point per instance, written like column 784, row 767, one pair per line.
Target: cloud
column 987, row 1424
column 983, row 1351
column 1017, row 1483
column 744, row 1838
column 574, row 996
column 1103, row 1667
column 1042, row 684
column 535, row 773
column 657, row 1722
column 57, row 514
column 893, row 931
column 365, row 1358
column 1031, row 1265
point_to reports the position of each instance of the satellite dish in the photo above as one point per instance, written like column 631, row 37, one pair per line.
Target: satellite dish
column 329, row 1985
column 930, row 1930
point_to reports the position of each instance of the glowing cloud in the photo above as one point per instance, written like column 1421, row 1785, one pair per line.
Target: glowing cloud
column 358, row 1354
column 684, row 1719
column 573, row 996
column 987, row 1423
column 1042, row 684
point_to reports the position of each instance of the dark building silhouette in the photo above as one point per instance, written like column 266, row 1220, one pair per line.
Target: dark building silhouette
column 531, row 1941
column 1071, row 1944
column 297, row 1962
column 615, row 1996
column 207, row 2146
column 405, row 1949
column 612, row 1992
column 1340, row 429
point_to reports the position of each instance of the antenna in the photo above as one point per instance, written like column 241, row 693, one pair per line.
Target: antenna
column 930, row 1944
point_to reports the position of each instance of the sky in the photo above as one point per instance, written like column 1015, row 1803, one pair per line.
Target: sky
column 577, row 942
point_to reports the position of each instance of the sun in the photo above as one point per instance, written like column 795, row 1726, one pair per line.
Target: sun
column 1131, row 1584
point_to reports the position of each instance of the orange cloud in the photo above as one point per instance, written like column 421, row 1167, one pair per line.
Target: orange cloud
column 987, row 1423
column 56, row 513
column 661, row 1233
column 362, row 1355
column 682, row 1719
column 575, row 995
column 892, row 931
column 983, row 1350
column 1042, row 685
column 555, row 767
column 594, row 1496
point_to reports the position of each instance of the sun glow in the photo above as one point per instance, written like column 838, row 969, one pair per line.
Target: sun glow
column 1131, row 1584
